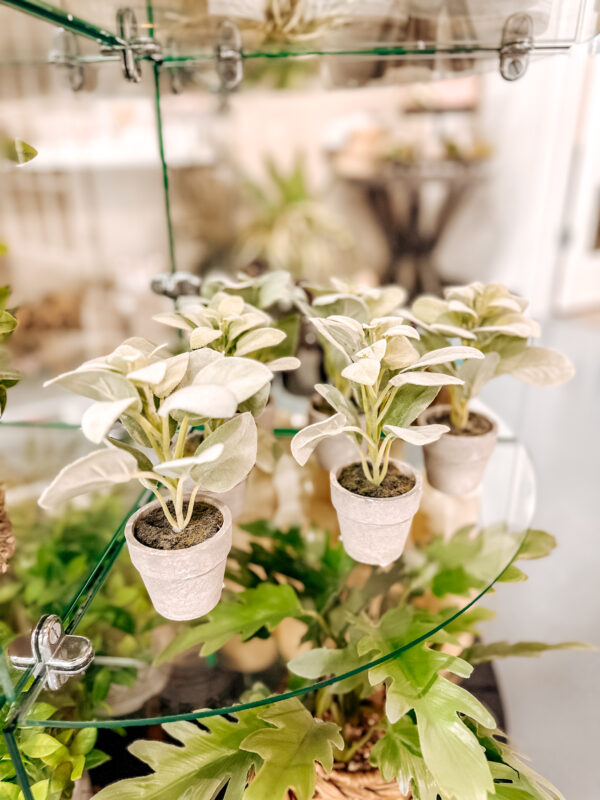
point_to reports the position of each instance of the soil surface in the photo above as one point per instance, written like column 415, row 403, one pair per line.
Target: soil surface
column 477, row 424
column 153, row 530
column 395, row 482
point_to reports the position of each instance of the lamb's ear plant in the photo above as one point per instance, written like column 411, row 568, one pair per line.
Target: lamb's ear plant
column 387, row 380
column 158, row 399
column 493, row 320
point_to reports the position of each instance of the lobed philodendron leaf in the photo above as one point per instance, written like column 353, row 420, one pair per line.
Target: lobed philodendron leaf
column 398, row 757
column 482, row 653
column 306, row 440
column 97, row 470
column 238, row 442
column 289, row 751
column 242, row 615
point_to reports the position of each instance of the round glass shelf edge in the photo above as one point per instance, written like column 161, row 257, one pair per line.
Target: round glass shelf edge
column 508, row 494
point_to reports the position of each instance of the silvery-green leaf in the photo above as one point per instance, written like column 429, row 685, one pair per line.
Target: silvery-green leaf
column 465, row 293
column 445, row 355
column 452, row 330
column 400, row 353
column 198, row 359
column 428, row 309
column 275, row 286
column 344, row 333
column 523, row 327
column 99, row 418
column 383, row 300
column 97, row 470
column 228, row 305
column 242, row 376
column 97, row 384
column 512, row 303
column 180, row 467
column 200, row 337
column 164, row 375
column 461, row 308
column 402, row 330
column 143, row 462
column 246, row 322
column 173, row 320
column 258, row 339
column 338, row 402
column 209, row 401
column 240, row 440
column 366, row 371
column 424, row 379
column 341, row 305
column 375, row 351
column 417, row 434
column 538, row 366
column 305, row 441
column 197, row 315
column 283, row 364
column 476, row 374
column 258, row 402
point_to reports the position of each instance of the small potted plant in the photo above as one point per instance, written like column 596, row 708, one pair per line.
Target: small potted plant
column 376, row 496
column 492, row 320
column 179, row 543
column 363, row 305
column 230, row 326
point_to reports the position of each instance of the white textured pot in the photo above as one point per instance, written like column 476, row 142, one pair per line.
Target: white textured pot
column 183, row 584
column 374, row 530
column 335, row 451
column 455, row 464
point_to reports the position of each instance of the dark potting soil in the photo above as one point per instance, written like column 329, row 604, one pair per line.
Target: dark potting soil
column 477, row 424
column 153, row 530
column 395, row 483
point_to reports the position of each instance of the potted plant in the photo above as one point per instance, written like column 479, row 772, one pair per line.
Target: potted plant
column 363, row 305
column 492, row 320
column 376, row 496
column 180, row 543
column 8, row 378
column 395, row 727
column 230, row 326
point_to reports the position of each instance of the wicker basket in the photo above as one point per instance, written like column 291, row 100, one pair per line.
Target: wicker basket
column 340, row 784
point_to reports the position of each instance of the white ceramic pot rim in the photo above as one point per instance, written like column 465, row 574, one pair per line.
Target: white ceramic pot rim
column 445, row 407
column 403, row 466
column 208, row 544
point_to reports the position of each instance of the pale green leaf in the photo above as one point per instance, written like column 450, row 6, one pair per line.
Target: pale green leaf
column 182, row 467
column 481, row 653
column 306, row 440
column 200, row 337
column 97, row 384
column 365, row 371
column 207, row 401
column 538, row 366
column 99, row 418
column 243, row 377
column 417, row 434
column 238, row 440
column 258, row 339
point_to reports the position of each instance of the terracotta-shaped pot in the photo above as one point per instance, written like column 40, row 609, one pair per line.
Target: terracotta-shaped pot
column 183, row 584
column 374, row 529
column 455, row 464
column 335, row 451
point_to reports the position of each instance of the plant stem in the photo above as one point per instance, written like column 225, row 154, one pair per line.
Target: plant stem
column 166, row 438
column 459, row 409
column 183, row 429
column 179, row 506
column 350, row 752
column 190, row 508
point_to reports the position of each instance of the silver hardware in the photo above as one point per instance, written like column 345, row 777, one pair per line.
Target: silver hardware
column 176, row 284
column 228, row 55
column 517, row 44
column 65, row 53
column 48, row 647
column 135, row 47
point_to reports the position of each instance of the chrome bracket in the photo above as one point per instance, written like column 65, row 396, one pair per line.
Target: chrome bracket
column 517, row 44
column 228, row 56
column 48, row 648
column 176, row 284
column 135, row 46
column 65, row 53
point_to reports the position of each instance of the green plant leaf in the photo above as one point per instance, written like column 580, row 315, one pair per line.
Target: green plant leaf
column 398, row 756
column 289, row 751
column 40, row 746
column 84, row 741
column 481, row 653
column 244, row 614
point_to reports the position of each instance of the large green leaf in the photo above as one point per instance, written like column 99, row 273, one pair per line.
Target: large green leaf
column 481, row 653
column 289, row 751
column 398, row 757
column 206, row 762
column 243, row 615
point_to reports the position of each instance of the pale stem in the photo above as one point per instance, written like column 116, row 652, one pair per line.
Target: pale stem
column 150, row 432
column 190, row 509
column 179, row 506
column 459, row 409
column 165, row 509
column 166, row 437
column 389, row 440
column 183, row 429
column 386, row 405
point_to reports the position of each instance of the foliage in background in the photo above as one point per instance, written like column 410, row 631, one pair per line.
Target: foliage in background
column 490, row 318
column 432, row 735
column 8, row 377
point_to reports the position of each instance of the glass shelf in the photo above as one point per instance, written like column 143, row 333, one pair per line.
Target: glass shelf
column 126, row 687
column 358, row 40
